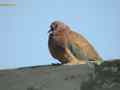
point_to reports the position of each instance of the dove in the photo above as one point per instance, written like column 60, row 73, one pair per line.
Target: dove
column 68, row 46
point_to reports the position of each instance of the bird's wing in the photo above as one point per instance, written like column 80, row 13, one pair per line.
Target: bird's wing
column 80, row 46
column 76, row 51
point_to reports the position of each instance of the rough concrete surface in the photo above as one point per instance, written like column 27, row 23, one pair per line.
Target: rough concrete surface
column 63, row 77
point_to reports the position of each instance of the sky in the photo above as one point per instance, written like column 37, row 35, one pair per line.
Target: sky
column 23, row 28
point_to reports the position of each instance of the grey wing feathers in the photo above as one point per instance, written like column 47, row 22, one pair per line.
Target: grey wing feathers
column 77, row 52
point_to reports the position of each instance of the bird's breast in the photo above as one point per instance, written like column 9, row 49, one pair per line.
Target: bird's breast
column 57, row 46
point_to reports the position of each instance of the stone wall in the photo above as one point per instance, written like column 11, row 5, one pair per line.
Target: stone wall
column 63, row 77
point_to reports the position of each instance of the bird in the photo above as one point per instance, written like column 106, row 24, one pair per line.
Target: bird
column 70, row 47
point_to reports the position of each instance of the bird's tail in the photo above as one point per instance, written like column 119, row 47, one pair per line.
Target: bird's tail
column 98, row 61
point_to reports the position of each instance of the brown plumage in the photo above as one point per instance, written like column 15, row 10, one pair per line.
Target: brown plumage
column 68, row 46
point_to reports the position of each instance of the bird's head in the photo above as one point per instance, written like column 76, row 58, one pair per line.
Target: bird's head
column 57, row 26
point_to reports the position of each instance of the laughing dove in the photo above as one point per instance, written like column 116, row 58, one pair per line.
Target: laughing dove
column 68, row 46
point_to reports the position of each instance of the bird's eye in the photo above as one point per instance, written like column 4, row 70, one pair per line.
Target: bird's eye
column 56, row 25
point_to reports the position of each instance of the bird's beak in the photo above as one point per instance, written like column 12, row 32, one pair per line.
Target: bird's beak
column 49, row 31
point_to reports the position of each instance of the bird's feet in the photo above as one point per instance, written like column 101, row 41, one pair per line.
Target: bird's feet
column 56, row 64
column 75, row 63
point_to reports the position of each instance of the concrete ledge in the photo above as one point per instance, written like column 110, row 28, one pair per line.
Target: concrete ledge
column 63, row 77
